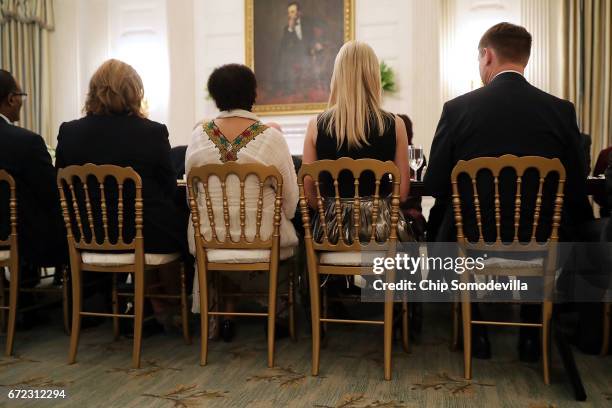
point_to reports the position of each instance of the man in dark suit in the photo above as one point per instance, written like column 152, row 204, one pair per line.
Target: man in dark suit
column 296, row 46
column 506, row 116
column 24, row 155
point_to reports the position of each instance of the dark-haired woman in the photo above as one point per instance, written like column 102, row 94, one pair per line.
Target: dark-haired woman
column 237, row 135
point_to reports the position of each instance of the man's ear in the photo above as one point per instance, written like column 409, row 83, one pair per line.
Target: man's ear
column 490, row 55
column 10, row 100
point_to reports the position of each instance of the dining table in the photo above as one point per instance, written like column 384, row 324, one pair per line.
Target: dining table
column 595, row 185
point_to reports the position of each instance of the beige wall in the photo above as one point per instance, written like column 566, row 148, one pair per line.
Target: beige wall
column 64, row 66
column 79, row 44
column 182, row 71
column 203, row 34
column 82, row 41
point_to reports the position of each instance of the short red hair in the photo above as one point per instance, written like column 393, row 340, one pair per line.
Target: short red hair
column 115, row 89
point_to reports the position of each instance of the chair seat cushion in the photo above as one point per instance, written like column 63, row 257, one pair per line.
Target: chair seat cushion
column 507, row 263
column 4, row 255
column 246, row 255
column 109, row 259
column 350, row 258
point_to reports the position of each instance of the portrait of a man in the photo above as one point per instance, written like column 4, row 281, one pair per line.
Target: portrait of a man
column 292, row 46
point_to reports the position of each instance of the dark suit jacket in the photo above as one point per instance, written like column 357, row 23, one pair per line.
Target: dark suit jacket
column 143, row 145
column 292, row 45
column 509, row 116
column 177, row 156
column 604, row 160
column 24, row 155
column 608, row 232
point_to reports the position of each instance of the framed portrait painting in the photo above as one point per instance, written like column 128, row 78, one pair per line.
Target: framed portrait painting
column 291, row 46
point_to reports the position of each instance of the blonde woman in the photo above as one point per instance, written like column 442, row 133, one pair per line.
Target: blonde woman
column 356, row 126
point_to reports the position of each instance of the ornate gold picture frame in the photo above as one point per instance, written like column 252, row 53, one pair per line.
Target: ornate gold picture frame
column 291, row 47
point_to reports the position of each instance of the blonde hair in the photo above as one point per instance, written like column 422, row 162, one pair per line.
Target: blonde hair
column 115, row 89
column 355, row 97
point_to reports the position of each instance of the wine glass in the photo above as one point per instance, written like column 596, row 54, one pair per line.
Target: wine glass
column 415, row 157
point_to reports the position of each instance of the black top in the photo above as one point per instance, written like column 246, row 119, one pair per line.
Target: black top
column 130, row 141
column 508, row 116
column 381, row 147
column 608, row 236
column 24, row 155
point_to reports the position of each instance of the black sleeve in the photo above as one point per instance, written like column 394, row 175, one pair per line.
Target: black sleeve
column 437, row 177
column 574, row 161
column 166, row 173
column 40, row 173
column 60, row 161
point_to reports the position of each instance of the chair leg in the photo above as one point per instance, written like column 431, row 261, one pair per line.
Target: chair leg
column 139, row 285
column 291, row 302
column 203, row 285
column 315, row 313
column 218, row 294
column 569, row 363
column 405, row 327
column 75, row 330
column 272, row 293
column 65, row 299
column 466, row 312
column 12, row 314
column 388, row 334
column 184, row 310
column 605, row 344
column 546, row 316
column 456, row 319
column 2, row 302
column 115, row 300
column 325, row 309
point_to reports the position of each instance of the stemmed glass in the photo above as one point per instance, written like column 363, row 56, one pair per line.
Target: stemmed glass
column 415, row 159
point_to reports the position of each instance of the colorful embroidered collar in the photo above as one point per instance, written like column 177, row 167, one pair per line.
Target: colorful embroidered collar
column 228, row 150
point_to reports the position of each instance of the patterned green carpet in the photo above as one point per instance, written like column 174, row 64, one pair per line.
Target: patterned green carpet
column 237, row 376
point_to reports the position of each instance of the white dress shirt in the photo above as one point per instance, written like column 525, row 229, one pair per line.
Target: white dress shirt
column 508, row 70
column 297, row 29
column 6, row 119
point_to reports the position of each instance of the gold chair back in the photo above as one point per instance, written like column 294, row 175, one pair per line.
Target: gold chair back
column 380, row 170
column 198, row 184
column 11, row 240
column 75, row 183
column 12, row 262
column 495, row 165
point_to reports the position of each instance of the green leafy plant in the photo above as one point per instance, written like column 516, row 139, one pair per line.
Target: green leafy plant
column 387, row 78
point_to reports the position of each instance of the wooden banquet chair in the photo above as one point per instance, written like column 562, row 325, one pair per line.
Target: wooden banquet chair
column 344, row 258
column 95, row 246
column 543, row 264
column 225, row 254
column 9, row 257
